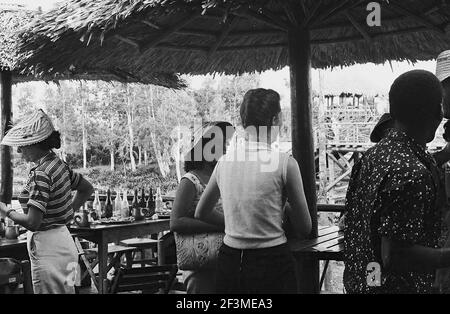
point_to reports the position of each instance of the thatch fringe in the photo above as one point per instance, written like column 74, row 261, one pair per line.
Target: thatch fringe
column 15, row 23
column 144, row 36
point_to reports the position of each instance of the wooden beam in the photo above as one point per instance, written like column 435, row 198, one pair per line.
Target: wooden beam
column 169, row 31
column 374, row 36
column 290, row 13
column 127, row 41
column 415, row 16
column 183, row 47
column 337, row 40
column 391, row 19
column 6, row 183
column 194, row 32
column 303, row 141
column 249, row 14
column 226, row 30
column 333, row 184
column 312, row 14
column 332, row 9
column 334, row 159
column 151, row 24
column 358, row 26
column 249, row 47
column 277, row 18
column 197, row 32
column 262, row 32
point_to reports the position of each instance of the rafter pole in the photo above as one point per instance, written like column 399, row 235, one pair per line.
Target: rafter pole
column 356, row 25
column 312, row 14
column 127, row 40
column 169, row 31
column 417, row 17
column 249, row 14
column 226, row 30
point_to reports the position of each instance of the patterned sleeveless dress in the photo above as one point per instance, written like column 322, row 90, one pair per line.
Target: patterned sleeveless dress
column 196, row 281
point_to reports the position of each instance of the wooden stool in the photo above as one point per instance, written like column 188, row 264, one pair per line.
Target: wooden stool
column 90, row 258
column 140, row 245
column 154, row 279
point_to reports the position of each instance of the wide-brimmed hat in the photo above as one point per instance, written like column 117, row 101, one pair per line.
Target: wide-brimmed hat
column 29, row 131
column 443, row 66
column 203, row 132
column 378, row 132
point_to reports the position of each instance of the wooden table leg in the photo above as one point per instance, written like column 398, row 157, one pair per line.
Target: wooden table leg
column 102, row 265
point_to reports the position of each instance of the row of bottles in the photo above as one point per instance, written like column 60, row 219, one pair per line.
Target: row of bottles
column 122, row 208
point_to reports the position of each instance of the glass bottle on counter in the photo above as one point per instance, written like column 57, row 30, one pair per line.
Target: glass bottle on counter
column 151, row 201
column 159, row 205
column 135, row 202
column 125, row 208
column 97, row 205
column 117, row 204
column 108, row 205
column 142, row 202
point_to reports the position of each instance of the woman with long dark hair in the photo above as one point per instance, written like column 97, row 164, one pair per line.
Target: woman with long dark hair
column 199, row 163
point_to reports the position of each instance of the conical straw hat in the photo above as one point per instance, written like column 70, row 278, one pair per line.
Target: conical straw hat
column 31, row 130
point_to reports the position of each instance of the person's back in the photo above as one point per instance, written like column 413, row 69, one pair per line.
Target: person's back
column 392, row 223
column 252, row 194
column 395, row 165
column 254, row 182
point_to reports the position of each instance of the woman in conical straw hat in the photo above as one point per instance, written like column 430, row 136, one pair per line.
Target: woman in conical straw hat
column 47, row 204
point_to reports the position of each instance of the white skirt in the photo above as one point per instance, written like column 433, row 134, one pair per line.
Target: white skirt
column 54, row 261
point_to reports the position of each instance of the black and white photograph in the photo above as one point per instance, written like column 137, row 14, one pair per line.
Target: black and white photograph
column 224, row 152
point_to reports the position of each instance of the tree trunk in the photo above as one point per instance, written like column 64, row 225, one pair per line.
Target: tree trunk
column 83, row 126
column 130, row 129
column 156, row 147
column 111, row 154
column 112, row 148
column 145, row 157
column 140, row 155
column 6, row 184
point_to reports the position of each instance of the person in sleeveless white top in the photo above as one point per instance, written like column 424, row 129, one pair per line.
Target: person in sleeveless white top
column 254, row 182
column 182, row 222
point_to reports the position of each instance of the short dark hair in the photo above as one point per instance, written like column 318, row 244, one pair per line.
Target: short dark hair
column 193, row 164
column 52, row 142
column 415, row 96
column 259, row 107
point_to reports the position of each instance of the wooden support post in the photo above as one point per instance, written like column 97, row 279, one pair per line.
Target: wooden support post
column 6, row 183
column 303, row 141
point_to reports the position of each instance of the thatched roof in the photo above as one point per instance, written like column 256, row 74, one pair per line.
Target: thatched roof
column 231, row 36
column 15, row 19
column 12, row 19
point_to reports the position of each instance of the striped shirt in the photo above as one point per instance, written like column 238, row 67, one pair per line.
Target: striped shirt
column 49, row 189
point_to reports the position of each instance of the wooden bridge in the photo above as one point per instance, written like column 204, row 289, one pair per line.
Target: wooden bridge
column 343, row 125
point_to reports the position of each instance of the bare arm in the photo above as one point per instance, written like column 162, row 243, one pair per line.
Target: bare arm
column 31, row 221
column 82, row 194
column 180, row 221
column 442, row 156
column 298, row 210
column 399, row 256
column 205, row 207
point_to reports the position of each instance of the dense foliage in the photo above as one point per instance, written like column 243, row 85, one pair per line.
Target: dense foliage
column 123, row 135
